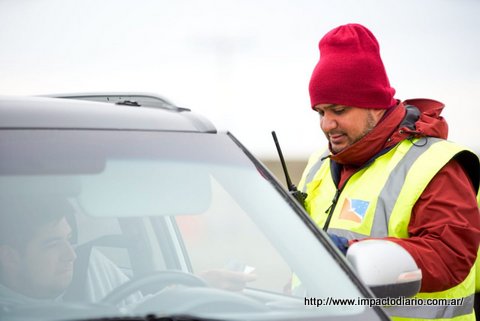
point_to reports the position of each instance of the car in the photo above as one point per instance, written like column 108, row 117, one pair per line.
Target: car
column 133, row 213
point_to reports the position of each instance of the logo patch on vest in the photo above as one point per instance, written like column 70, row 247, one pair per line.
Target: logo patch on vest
column 354, row 210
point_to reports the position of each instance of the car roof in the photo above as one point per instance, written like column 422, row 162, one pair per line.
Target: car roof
column 46, row 112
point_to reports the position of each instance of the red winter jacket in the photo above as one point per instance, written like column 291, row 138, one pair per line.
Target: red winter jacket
column 445, row 223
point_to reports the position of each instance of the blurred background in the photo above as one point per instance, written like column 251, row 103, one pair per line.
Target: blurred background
column 245, row 64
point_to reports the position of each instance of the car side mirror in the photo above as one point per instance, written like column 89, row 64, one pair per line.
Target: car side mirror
column 386, row 268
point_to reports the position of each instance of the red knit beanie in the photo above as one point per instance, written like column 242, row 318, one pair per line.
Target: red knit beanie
column 350, row 71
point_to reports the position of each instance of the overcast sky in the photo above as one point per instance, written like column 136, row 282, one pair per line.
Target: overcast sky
column 245, row 64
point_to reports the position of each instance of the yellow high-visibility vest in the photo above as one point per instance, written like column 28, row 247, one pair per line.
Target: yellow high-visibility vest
column 377, row 201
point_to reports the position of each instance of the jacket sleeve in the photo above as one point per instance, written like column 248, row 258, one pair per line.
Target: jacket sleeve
column 444, row 229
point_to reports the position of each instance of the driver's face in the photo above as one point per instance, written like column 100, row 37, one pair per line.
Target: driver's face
column 46, row 266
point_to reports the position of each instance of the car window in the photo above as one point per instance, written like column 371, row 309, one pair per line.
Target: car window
column 142, row 222
column 228, row 235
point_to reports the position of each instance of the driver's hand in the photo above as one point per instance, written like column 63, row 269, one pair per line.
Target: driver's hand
column 227, row 280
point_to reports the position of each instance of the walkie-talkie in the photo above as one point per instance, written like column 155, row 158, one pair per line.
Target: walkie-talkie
column 298, row 195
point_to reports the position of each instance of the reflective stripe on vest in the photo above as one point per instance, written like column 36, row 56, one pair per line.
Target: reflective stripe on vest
column 384, row 208
column 312, row 170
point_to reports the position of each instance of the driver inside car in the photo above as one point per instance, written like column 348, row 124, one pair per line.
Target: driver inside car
column 37, row 258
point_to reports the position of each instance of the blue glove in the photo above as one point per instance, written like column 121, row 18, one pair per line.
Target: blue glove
column 340, row 242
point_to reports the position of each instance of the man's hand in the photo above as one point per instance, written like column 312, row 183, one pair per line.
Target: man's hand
column 227, row 280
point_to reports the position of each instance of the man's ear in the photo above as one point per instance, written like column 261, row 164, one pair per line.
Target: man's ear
column 9, row 258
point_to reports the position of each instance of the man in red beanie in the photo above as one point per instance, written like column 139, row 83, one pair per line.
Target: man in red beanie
column 391, row 173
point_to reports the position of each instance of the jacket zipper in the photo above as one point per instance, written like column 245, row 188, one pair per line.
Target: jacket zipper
column 331, row 208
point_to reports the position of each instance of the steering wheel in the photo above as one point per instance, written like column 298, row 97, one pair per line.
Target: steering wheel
column 157, row 279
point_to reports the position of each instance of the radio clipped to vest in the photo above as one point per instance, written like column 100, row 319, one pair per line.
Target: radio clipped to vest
column 298, row 195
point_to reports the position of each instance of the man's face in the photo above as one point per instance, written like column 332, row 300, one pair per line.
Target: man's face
column 45, row 267
column 343, row 125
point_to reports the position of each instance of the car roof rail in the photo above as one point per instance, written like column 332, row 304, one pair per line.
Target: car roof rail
column 131, row 99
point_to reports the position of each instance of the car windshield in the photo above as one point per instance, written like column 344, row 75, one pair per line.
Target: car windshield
column 105, row 223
